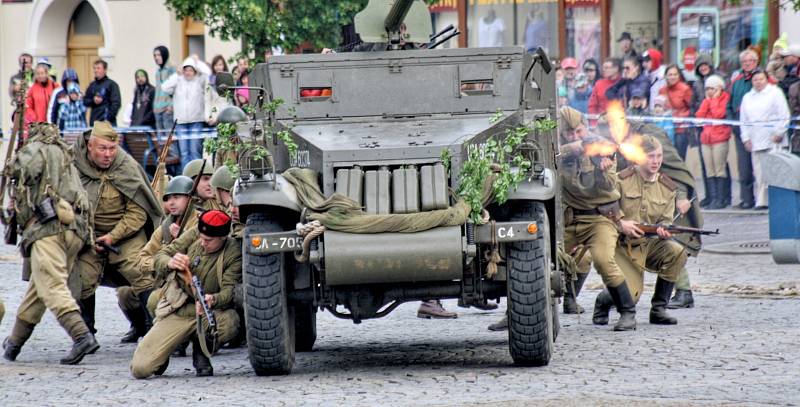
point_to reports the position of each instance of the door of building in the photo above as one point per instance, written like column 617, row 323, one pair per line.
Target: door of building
column 84, row 39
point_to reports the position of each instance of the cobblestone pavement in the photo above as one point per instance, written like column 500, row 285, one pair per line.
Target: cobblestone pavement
column 733, row 348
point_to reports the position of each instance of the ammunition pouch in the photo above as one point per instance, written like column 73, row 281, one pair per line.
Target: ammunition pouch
column 45, row 211
column 610, row 210
column 65, row 213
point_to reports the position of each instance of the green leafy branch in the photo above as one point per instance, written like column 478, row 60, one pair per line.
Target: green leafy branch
column 498, row 157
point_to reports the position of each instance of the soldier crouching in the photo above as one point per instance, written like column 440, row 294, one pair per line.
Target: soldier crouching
column 215, row 258
column 648, row 197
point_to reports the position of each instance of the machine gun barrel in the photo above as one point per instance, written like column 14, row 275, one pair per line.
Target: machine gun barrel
column 397, row 15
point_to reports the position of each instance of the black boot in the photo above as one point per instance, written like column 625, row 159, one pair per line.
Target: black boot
column 161, row 369
column 87, row 312
column 144, row 296
column 658, row 308
column 180, row 351
column 726, row 190
column 85, row 345
column 200, row 361
column 716, row 193
column 138, row 325
column 602, row 306
column 571, row 305
column 625, row 306
column 681, row 299
column 707, row 200
column 20, row 333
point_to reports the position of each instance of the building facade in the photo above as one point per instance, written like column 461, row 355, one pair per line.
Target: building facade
column 584, row 29
column 75, row 33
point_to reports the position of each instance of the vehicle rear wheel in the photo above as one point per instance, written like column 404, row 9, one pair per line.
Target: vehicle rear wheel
column 530, row 311
column 305, row 327
column 269, row 319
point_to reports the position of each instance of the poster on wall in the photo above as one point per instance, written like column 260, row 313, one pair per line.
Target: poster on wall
column 698, row 35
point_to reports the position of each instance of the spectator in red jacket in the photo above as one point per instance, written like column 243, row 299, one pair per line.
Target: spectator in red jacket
column 39, row 95
column 679, row 95
column 598, row 102
column 714, row 139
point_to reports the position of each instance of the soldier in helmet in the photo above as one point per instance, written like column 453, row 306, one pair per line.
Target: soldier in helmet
column 176, row 200
column 647, row 196
column 125, row 214
column 223, row 182
column 51, row 203
column 205, row 197
column 216, row 259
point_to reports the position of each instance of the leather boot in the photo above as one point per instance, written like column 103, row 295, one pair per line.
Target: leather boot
column 138, row 325
column 180, row 351
column 87, row 312
column 681, row 299
column 602, row 306
column 501, row 325
column 571, row 305
column 716, row 188
column 201, row 363
column 625, row 306
column 161, row 369
column 20, row 333
column 658, row 306
column 144, row 296
column 434, row 309
column 725, row 190
column 85, row 345
column 707, row 200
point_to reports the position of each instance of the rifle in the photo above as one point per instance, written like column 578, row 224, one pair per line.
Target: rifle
column 200, row 296
column 9, row 217
column 190, row 205
column 651, row 230
column 161, row 169
column 108, row 247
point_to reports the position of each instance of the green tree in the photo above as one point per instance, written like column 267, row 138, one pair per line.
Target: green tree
column 262, row 24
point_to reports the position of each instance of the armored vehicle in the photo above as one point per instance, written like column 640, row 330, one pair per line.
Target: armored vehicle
column 391, row 130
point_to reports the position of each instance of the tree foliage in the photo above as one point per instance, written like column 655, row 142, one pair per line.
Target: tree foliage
column 263, row 24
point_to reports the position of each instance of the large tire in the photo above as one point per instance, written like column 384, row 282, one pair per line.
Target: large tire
column 530, row 311
column 305, row 327
column 269, row 319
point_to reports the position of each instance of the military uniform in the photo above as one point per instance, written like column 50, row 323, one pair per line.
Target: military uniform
column 676, row 169
column 127, row 299
column 176, row 319
column 52, row 206
column 125, row 209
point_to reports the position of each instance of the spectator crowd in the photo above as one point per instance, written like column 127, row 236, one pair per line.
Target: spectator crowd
column 721, row 123
column 184, row 96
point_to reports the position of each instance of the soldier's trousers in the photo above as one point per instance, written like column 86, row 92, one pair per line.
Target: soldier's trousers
column 169, row 332
column 664, row 257
column 51, row 261
column 599, row 235
column 92, row 266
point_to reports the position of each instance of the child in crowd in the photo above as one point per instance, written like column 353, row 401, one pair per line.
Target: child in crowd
column 661, row 109
column 72, row 113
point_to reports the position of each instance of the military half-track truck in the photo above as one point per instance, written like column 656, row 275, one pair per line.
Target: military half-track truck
column 373, row 126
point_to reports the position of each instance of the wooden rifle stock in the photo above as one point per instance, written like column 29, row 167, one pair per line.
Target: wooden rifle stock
column 162, row 157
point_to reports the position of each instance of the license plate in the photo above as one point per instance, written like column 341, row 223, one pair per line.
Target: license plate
column 274, row 242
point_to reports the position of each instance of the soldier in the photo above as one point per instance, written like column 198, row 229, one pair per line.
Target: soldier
column 223, row 182
column 205, row 198
column 648, row 196
column 690, row 214
column 125, row 214
column 216, row 259
column 51, row 203
column 591, row 202
column 176, row 199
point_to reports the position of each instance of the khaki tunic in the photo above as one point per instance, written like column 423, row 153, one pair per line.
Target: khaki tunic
column 170, row 331
column 651, row 202
column 585, row 187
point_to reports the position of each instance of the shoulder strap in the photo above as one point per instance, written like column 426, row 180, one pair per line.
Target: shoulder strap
column 667, row 182
column 626, row 173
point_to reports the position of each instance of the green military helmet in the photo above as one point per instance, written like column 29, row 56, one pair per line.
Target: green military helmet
column 193, row 168
column 223, row 179
column 180, row 185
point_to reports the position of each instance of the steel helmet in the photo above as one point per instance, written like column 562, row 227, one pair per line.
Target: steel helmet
column 180, row 185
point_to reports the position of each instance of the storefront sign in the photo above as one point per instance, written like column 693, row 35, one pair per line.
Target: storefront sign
column 581, row 3
column 444, row 5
